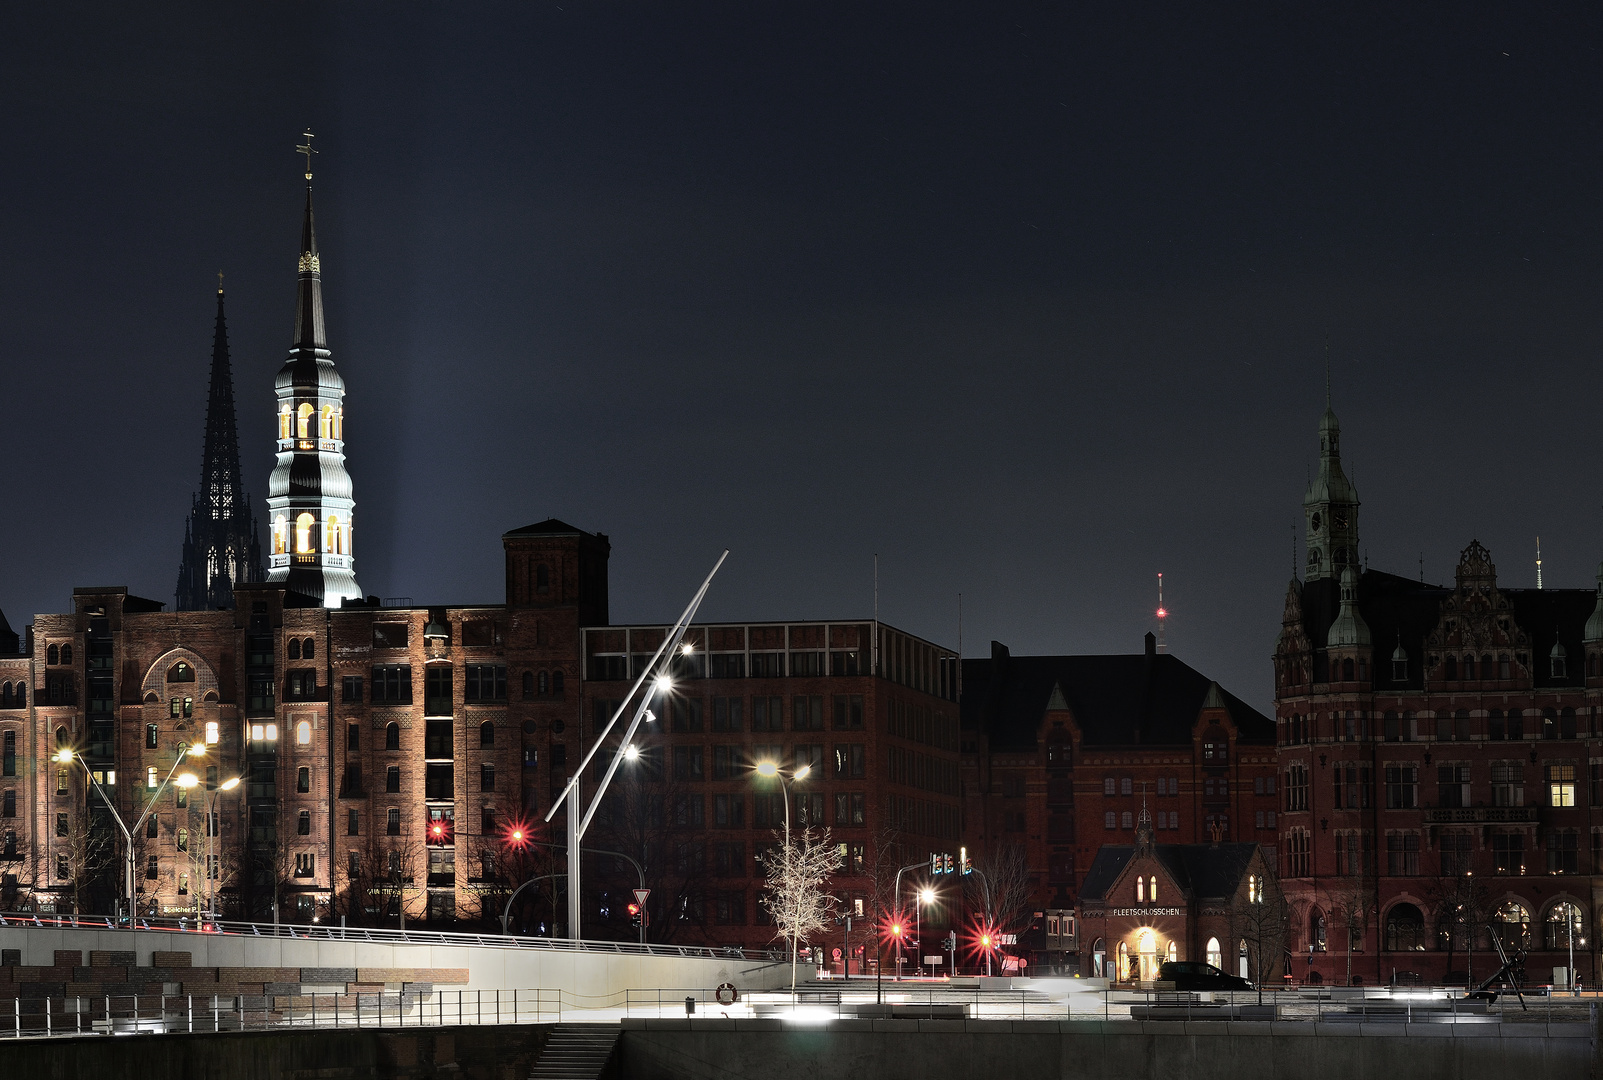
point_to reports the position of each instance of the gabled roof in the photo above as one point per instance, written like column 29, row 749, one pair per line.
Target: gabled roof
column 1148, row 699
column 1200, row 870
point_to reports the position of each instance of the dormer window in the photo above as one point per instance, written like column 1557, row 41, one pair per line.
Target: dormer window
column 1556, row 662
column 1399, row 666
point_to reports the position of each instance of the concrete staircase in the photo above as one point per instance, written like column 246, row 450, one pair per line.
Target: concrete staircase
column 576, row 1052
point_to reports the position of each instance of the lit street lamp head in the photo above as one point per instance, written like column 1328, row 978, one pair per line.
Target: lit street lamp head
column 767, row 768
column 64, row 756
column 631, row 752
column 926, row 896
column 687, row 649
column 801, row 772
column 664, row 684
column 230, row 784
column 186, row 780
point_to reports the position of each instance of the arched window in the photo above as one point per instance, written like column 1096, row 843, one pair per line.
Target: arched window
column 331, row 534
column 1316, row 929
column 486, row 734
column 285, row 423
column 1140, row 890
column 53, row 655
column 1347, row 670
column 544, row 683
column 392, row 736
column 1513, row 925
column 1099, row 953
column 528, row 684
column 304, row 420
column 325, row 423
column 1469, row 669
column 339, row 423
column 5, row 697
column 1562, row 927
column 280, row 535
column 61, row 738
column 66, row 654
column 22, row 695
column 1451, row 673
column 542, row 578
column 556, row 682
column 308, row 648
column 294, row 648
column 1405, row 929
column 1124, row 973
column 181, row 672
column 303, row 733
column 303, row 533
column 1152, row 889
column 212, row 733
column 1174, row 952
column 1216, row 955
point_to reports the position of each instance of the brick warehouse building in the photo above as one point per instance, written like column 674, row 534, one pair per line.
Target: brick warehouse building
column 1441, row 757
column 357, row 729
column 1061, row 754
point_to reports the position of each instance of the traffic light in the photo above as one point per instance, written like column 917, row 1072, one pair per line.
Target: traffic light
column 964, row 866
column 935, row 862
column 896, row 929
column 439, row 831
column 946, row 863
column 634, row 916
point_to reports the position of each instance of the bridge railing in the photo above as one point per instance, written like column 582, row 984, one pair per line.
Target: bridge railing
column 380, row 935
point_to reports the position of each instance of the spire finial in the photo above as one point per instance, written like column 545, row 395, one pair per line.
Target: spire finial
column 219, row 283
column 1538, row 562
column 306, row 149
column 1327, row 339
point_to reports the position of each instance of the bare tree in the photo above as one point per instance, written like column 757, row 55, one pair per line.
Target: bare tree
column 795, row 894
column 1353, row 897
column 1264, row 918
column 89, row 856
column 1004, row 886
column 1461, row 905
column 372, row 889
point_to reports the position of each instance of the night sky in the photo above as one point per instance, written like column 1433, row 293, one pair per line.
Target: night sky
column 1033, row 301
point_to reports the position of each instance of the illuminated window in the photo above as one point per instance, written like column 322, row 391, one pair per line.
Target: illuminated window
column 304, row 420
column 212, row 734
column 272, row 732
column 1561, row 785
column 1140, row 890
column 325, row 423
column 1152, row 889
column 304, row 524
column 1216, row 956
column 303, row 732
column 331, row 535
column 150, row 777
column 284, row 423
column 280, row 535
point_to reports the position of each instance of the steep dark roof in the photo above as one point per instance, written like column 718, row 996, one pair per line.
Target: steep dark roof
column 1200, row 870
column 1399, row 609
column 548, row 527
column 9, row 642
column 1149, row 699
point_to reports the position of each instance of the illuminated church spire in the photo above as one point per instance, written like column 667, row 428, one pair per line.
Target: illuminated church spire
column 309, row 496
column 220, row 541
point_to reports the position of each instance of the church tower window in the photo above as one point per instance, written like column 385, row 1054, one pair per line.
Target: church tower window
column 303, row 533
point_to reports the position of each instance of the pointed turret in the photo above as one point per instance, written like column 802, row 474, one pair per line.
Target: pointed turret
column 1349, row 629
column 1330, row 506
column 309, row 496
column 1594, row 625
column 220, row 545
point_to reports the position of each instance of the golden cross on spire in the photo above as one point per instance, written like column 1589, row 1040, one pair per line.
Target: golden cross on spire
column 306, row 148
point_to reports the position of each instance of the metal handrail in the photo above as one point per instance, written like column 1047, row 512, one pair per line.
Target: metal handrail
column 378, row 935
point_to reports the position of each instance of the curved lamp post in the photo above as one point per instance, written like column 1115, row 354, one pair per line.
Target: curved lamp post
column 67, row 755
column 771, row 771
column 188, row 780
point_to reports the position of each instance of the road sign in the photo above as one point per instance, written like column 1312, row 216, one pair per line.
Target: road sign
column 640, row 896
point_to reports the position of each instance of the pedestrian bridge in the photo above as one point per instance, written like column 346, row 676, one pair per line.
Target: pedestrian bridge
column 87, row 955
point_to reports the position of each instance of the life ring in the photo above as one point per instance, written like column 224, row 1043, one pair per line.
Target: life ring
column 727, row 994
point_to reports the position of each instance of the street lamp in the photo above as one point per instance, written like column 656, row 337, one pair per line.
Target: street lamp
column 188, row 780
column 926, row 895
column 66, row 755
column 770, row 770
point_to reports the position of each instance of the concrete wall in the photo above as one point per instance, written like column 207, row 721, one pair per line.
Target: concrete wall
column 494, row 1053
column 1090, row 1050
column 584, row 975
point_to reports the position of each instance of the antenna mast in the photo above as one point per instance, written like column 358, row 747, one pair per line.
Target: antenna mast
column 1163, row 616
column 1538, row 562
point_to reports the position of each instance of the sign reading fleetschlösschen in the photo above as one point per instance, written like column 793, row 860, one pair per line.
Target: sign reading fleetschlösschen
column 1124, row 912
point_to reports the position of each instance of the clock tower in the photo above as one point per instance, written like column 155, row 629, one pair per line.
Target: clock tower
column 1330, row 508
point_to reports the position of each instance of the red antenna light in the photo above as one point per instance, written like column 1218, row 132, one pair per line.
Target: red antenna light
column 1163, row 614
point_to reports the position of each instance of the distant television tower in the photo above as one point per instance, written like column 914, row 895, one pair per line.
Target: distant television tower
column 1163, row 617
column 1538, row 562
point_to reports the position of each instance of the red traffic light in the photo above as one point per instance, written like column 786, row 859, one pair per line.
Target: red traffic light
column 896, row 929
column 634, row 909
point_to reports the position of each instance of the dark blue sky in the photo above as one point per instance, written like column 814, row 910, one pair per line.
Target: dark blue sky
column 1030, row 300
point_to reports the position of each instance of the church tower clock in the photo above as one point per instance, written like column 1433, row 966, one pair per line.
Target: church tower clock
column 309, row 496
column 1331, row 508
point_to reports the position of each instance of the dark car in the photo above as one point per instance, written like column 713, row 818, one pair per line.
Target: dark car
column 1188, row 975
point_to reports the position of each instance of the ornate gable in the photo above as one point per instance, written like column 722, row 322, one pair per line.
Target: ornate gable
column 1477, row 624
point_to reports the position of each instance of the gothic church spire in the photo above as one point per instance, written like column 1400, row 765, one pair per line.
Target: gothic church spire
column 220, row 542
column 1330, row 506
